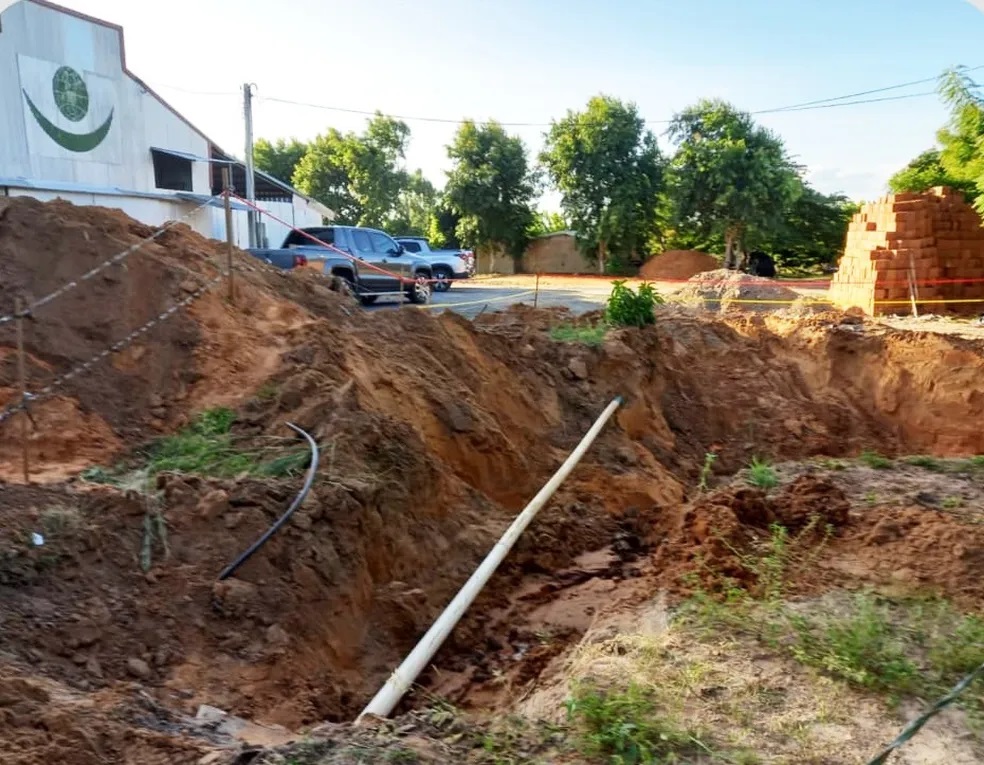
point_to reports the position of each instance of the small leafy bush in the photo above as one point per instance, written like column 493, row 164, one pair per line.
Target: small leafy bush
column 626, row 727
column 627, row 308
column 762, row 475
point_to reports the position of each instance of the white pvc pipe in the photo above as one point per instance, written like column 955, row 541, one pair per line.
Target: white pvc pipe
column 404, row 676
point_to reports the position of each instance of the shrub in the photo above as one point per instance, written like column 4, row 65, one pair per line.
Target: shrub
column 626, row 308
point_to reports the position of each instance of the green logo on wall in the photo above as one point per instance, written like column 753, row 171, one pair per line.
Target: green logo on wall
column 72, row 99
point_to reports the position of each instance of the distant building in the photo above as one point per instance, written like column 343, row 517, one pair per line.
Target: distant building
column 76, row 124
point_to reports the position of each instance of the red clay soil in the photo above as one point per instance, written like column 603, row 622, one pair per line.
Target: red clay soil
column 209, row 355
column 434, row 432
column 677, row 265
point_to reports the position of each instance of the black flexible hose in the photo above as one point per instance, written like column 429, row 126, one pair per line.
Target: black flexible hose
column 232, row 567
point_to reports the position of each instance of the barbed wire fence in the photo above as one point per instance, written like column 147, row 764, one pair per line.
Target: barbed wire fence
column 916, row 725
column 25, row 311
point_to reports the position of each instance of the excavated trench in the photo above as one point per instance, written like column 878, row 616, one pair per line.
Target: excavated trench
column 431, row 447
column 435, row 431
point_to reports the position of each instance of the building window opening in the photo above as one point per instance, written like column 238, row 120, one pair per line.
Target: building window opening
column 171, row 172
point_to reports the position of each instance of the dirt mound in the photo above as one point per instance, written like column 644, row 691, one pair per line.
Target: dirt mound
column 674, row 265
column 734, row 291
column 45, row 722
column 711, row 539
column 434, row 432
column 211, row 353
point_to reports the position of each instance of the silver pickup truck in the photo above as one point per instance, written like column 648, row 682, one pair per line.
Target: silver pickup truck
column 447, row 265
column 372, row 263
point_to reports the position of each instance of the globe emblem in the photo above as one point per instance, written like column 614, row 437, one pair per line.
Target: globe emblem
column 71, row 94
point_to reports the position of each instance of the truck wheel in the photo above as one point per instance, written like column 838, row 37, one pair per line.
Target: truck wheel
column 368, row 299
column 442, row 279
column 419, row 292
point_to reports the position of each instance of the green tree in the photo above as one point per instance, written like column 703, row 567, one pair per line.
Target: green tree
column 925, row 172
column 442, row 227
column 607, row 166
column 490, row 187
column 548, row 223
column 962, row 139
column 280, row 158
column 375, row 169
column 813, row 230
column 360, row 177
column 415, row 204
column 728, row 175
column 323, row 173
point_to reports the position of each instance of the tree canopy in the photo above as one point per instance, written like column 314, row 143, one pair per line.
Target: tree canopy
column 728, row 175
column 729, row 184
column 414, row 208
column 279, row 159
column 958, row 159
column 812, row 231
column 608, row 168
column 490, row 187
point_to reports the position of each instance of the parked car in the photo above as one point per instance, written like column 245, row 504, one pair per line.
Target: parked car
column 447, row 265
column 372, row 263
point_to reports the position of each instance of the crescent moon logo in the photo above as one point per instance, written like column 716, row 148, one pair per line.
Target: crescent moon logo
column 72, row 99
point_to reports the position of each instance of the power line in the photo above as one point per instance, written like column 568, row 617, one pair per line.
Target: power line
column 850, row 99
column 449, row 121
column 870, row 92
column 845, row 103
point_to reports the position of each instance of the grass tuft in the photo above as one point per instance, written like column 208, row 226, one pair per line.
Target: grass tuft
column 573, row 333
column 762, row 475
column 876, row 461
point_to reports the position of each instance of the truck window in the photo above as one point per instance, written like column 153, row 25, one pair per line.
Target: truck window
column 361, row 240
column 381, row 243
column 296, row 238
column 411, row 246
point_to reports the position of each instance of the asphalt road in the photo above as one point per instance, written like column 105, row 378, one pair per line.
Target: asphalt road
column 471, row 299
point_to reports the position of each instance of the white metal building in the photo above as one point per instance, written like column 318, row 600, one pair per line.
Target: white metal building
column 76, row 124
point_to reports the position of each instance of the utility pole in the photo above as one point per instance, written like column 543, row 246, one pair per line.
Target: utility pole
column 250, row 177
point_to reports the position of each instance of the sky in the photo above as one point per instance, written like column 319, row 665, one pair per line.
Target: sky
column 529, row 61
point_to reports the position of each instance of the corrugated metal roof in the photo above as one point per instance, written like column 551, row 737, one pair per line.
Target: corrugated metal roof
column 113, row 191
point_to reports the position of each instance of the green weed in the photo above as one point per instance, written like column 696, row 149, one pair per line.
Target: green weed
column 952, row 503
column 861, row 647
column 99, row 475
column 626, row 308
column 705, row 471
column 586, row 335
column 267, row 391
column 929, row 463
column 206, row 448
column 762, row 475
column 876, row 461
column 627, row 727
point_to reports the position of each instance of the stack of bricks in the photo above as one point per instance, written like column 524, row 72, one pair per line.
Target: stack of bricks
column 936, row 234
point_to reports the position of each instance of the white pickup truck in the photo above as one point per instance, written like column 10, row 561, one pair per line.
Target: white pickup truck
column 446, row 265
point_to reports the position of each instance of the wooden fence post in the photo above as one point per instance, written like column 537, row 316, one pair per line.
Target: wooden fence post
column 227, row 186
column 22, row 375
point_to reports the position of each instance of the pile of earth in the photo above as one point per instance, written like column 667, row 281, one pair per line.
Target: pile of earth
column 726, row 290
column 434, row 431
column 677, row 265
column 194, row 359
